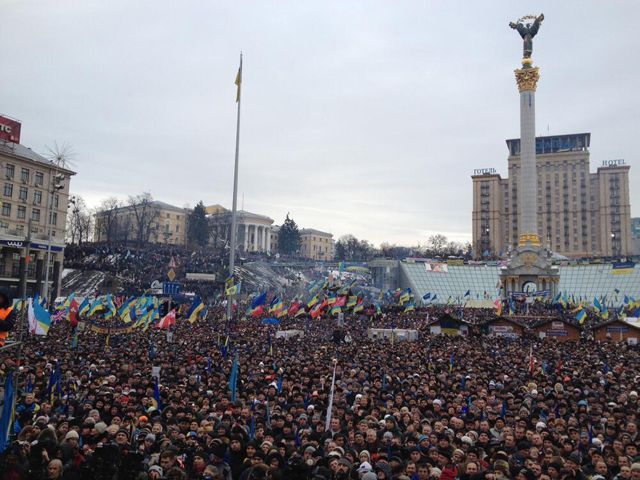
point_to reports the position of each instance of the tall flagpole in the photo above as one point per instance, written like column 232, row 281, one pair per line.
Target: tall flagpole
column 232, row 253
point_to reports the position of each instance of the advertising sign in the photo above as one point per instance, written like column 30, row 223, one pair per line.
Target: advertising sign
column 9, row 129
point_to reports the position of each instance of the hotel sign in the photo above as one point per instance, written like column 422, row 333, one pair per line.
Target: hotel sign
column 484, row 171
column 613, row 163
column 9, row 130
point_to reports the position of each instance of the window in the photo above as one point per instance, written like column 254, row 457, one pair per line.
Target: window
column 24, row 193
column 56, row 200
column 168, row 215
column 37, row 197
column 24, row 175
column 6, row 209
column 22, row 212
column 53, row 233
column 177, row 228
column 39, row 179
column 20, row 230
column 53, row 218
column 35, row 214
column 10, row 170
column 8, row 189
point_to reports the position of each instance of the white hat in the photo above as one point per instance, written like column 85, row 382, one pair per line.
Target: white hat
column 365, row 467
column 541, row 425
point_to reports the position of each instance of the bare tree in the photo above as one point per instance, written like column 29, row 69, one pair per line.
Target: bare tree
column 107, row 219
column 79, row 221
column 145, row 216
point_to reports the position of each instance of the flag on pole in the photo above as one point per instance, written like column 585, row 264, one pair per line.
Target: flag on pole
column 233, row 378
column 168, row 320
column 259, row 300
column 39, row 318
column 531, row 361
column 195, row 309
column 7, row 412
column 73, row 313
column 238, row 81
column 327, row 422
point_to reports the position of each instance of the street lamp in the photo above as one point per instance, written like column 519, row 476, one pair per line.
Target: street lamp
column 613, row 244
column 56, row 184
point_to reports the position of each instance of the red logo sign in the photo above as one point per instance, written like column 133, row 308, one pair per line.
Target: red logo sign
column 9, row 129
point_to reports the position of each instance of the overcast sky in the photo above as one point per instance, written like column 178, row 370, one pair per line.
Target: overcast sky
column 357, row 117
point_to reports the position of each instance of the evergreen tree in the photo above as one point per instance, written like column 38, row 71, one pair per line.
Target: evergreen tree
column 289, row 237
column 198, row 229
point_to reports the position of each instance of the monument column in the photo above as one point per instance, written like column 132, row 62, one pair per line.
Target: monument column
column 527, row 79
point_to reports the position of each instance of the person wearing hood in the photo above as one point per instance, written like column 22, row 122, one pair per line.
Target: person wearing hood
column 7, row 315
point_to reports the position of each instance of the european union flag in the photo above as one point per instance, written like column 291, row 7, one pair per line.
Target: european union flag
column 259, row 300
column 426, row 296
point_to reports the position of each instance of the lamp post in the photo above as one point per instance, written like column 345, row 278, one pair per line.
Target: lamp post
column 613, row 244
column 55, row 185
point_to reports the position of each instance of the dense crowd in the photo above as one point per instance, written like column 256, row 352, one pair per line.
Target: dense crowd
column 440, row 408
column 138, row 269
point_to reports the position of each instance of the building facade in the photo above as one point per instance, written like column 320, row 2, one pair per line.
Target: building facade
column 635, row 236
column 35, row 192
column 161, row 222
column 253, row 230
column 579, row 214
column 316, row 245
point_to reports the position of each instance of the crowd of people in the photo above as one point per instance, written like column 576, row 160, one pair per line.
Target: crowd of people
column 233, row 401
column 138, row 269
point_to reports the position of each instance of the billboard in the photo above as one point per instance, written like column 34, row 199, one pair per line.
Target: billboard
column 9, row 129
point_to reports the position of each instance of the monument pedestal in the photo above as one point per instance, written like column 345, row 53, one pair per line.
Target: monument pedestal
column 529, row 271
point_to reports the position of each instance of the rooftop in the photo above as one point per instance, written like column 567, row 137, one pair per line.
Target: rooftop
column 313, row 231
column 20, row 151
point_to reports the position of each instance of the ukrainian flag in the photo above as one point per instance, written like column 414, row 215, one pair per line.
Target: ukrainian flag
column 194, row 311
column 313, row 301
column 404, row 298
column 596, row 304
column 96, row 306
column 581, row 316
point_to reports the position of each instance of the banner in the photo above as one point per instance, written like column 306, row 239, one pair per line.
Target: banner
column 437, row 267
column 623, row 268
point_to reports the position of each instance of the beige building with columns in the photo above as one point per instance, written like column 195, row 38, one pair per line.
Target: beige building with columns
column 580, row 214
column 33, row 190
column 253, row 230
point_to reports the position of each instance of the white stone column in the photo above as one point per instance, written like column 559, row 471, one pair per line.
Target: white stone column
column 261, row 238
column 246, row 237
column 268, row 245
column 255, row 238
column 527, row 79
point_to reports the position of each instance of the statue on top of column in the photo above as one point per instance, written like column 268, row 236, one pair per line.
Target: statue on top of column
column 527, row 31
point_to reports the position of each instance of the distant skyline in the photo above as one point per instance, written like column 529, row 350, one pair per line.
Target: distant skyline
column 365, row 118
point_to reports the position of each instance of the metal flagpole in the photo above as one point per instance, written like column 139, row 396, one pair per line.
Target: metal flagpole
column 327, row 422
column 232, row 253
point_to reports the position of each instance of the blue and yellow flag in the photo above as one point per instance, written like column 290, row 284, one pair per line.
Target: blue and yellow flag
column 596, row 304
column 194, row 310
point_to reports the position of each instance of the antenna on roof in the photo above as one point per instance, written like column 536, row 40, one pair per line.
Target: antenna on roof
column 61, row 155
